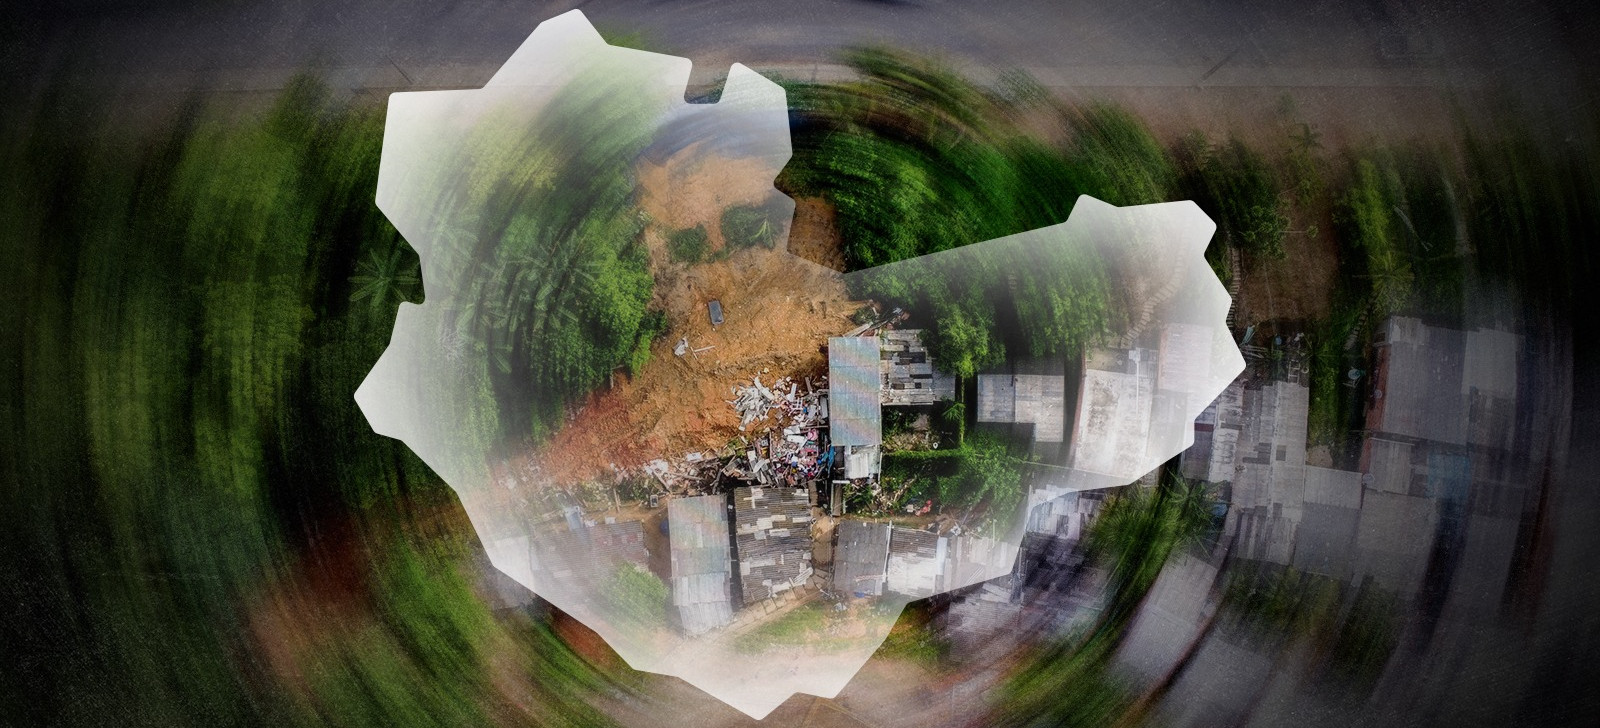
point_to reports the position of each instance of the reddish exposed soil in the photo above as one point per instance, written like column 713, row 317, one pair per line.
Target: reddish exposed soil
column 779, row 310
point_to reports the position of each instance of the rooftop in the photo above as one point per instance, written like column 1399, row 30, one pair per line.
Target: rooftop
column 1036, row 399
column 773, row 534
column 700, row 562
column 855, row 408
column 909, row 374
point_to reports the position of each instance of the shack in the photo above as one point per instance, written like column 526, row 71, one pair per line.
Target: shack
column 772, row 540
column 909, row 375
column 701, row 563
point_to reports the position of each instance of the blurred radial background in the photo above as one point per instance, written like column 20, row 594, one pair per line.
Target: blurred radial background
column 200, row 528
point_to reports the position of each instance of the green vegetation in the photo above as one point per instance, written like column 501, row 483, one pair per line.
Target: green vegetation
column 1305, row 169
column 917, row 160
column 384, row 281
column 1365, row 211
column 1069, row 682
column 688, row 245
column 1125, row 164
column 983, row 475
column 200, row 527
column 1401, row 215
column 916, row 639
column 987, row 475
column 1236, row 186
column 806, row 624
column 1139, row 527
column 1336, row 404
column 1397, row 218
column 1066, row 684
column 652, row 326
column 640, row 598
column 745, row 226
column 187, row 479
column 954, row 420
column 1355, row 627
column 545, row 277
column 818, row 625
column 1532, row 207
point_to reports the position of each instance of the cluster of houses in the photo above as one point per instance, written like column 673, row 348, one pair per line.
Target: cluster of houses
column 755, row 544
column 1443, row 473
column 1440, row 428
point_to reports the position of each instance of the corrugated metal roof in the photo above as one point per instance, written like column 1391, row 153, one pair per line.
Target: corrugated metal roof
column 916, row 562
column 1422, row 382
column 700, row 562
column 855, row 410
column 773, row 527
column 861, row 557
column 773, row 532
column 862, row 461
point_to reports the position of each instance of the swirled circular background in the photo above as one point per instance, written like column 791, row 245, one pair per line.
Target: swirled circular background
column 1391, row 522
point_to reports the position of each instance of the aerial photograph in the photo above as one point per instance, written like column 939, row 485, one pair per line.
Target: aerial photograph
column 814, row 363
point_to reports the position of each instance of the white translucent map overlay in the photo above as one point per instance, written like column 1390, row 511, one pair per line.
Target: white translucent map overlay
column 519, row 199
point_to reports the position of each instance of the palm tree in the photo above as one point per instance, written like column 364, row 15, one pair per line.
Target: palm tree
column 380, row 278
column 1306, row 138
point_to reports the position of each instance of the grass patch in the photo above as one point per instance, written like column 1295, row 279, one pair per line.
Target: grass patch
column 688, row 245
column 803, row 625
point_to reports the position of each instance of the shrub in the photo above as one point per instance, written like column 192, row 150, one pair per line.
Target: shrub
column 745, row 226
column 651, row 326
column 1236, row 186
column 689, row 245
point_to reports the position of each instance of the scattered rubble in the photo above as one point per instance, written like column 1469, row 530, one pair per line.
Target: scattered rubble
column 786, row 445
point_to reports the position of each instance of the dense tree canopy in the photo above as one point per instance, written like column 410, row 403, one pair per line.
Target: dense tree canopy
column 918, row 160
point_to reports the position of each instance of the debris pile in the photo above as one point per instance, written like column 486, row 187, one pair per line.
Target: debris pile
column 788, row 447
column 792, row 452
column 696, row 473
column 790, row 456
column 756, row 402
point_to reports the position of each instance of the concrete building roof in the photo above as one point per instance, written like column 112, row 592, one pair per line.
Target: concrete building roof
column 1035, row 399
column 1444, row 385
column 1394, row 539
column 1419, row 382
column 1116, row 400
